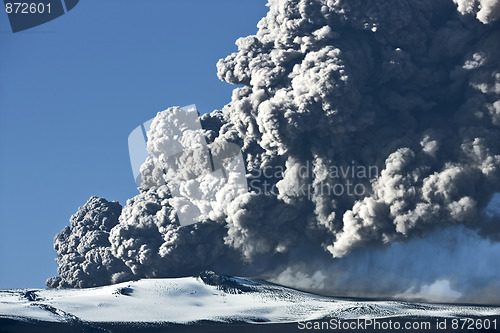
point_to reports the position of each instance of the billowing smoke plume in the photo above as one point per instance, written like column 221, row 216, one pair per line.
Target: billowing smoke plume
column 361, row 123
column 84, row 253
column 486, row 11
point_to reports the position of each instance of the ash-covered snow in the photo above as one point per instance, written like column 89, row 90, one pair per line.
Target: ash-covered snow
column 209, row 297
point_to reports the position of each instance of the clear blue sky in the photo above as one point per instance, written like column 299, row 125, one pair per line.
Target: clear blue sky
column 72, row 90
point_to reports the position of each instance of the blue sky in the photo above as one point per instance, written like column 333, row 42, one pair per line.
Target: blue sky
column 73, row 89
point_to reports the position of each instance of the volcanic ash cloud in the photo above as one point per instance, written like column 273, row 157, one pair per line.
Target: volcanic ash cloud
column 401, row 96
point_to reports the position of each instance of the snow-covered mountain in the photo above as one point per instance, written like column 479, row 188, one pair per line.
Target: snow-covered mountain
column 208, row 297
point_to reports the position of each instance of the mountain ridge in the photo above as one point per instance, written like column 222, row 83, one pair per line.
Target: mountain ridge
column 208, row 297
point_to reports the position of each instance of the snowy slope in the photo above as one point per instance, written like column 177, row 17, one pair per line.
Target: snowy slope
column 191, row 299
